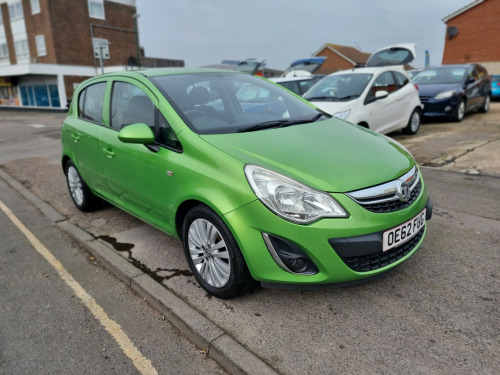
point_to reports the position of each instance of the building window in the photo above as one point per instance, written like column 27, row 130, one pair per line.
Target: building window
column 96, row 9
column 40, row 45
column 4, row 52
column 22, row 50
column 101, row 48
column 35, row 6
column 16, row 10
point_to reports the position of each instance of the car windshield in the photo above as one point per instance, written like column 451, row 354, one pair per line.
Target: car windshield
column 219, row 103
column 440, row 76
column 339, row 87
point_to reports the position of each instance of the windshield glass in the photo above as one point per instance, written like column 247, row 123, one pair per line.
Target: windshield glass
column 441, row 75
column 219, row 103
column 389, row 57
column 339, row 87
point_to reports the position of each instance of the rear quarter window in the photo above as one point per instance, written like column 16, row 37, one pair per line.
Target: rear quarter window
column 91, row 102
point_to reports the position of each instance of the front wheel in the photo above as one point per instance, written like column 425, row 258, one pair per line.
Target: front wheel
column 413, row 123
column 213, row 254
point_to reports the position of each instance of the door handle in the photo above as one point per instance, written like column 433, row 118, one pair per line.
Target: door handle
column 109, row 153
column 75, row 137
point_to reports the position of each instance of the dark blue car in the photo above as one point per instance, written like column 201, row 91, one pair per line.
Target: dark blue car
column 453, row 90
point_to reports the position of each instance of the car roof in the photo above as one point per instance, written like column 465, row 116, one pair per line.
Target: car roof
column 154, row 72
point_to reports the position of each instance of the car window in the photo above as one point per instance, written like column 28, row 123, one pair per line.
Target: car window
column 219, row 103
column 440, row 75
column 292, row 86
column 473, row 73
column 91, row 102
column 166, row 135
column 130, row 105
column 401, row 79
column 339, row 87
column 384, row 82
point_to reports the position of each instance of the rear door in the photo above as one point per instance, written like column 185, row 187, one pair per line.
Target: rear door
column 83, row 132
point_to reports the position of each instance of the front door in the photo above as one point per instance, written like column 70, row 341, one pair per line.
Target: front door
column 134, row 171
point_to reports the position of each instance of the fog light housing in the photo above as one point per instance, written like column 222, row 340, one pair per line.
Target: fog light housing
column 447, row 108
column 289, row 256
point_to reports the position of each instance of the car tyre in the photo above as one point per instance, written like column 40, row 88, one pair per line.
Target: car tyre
column 413, row 122
column 460, row 113
column 213, row 254
column 486, row 105
column 79, row 191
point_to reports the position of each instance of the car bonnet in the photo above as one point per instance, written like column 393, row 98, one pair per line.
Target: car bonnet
column 330, row 155
column 431, row 89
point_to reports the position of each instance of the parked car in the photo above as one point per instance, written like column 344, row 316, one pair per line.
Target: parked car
column 256, row 182
column 299, row 76
column 298, row 85
column 495, row 86
column 380, row 98
column 453, row 90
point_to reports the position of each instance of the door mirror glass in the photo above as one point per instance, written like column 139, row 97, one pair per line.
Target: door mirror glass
column 137, row 133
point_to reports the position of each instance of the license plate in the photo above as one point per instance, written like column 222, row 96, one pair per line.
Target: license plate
column 404, row 232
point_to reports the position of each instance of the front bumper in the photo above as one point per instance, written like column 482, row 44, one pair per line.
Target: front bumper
column 322, row 241
column 439, row 108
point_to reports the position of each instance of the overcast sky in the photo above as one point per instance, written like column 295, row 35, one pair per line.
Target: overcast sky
column 204, row 32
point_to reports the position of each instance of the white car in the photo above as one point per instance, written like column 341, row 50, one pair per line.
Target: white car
column 380, row 97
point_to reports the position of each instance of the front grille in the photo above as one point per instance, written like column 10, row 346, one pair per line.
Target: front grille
column 388, row 197
column 392, row 206
column 424, row 98
column 373, row 262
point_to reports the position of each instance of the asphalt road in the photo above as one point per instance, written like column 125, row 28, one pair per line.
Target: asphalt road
column 438, row 313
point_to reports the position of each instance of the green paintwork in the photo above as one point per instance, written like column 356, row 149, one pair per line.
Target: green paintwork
column 326, row 155
column 136, row 133
column 155, row 186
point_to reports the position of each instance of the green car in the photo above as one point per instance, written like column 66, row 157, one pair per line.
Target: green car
column 257, row 183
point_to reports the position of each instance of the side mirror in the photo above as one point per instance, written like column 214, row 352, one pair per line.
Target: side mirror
column 381, row 94
column 136, row 133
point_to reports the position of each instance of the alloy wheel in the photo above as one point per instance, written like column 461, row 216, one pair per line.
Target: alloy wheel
column 75, row 185
column 209, row 253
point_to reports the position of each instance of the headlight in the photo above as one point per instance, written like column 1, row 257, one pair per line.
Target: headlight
column 290, row 199
column 342, row 115
column 445, row 95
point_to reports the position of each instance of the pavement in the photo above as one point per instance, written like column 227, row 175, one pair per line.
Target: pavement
column 129, row 249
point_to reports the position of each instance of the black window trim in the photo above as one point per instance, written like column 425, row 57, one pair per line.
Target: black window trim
column 84, row 90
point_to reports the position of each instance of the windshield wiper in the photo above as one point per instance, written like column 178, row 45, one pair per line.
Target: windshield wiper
column 325, row 98
column 348, row 97
column 279, row 123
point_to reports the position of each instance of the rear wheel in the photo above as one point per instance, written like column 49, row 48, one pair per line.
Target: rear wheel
column 413, row 123
column 80, row 193
column 213, row 254
column 486, row 105
column 459, row 114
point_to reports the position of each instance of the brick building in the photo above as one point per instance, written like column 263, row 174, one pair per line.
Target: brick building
column 340, row 58
column 472, row 34
column 47, row 47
